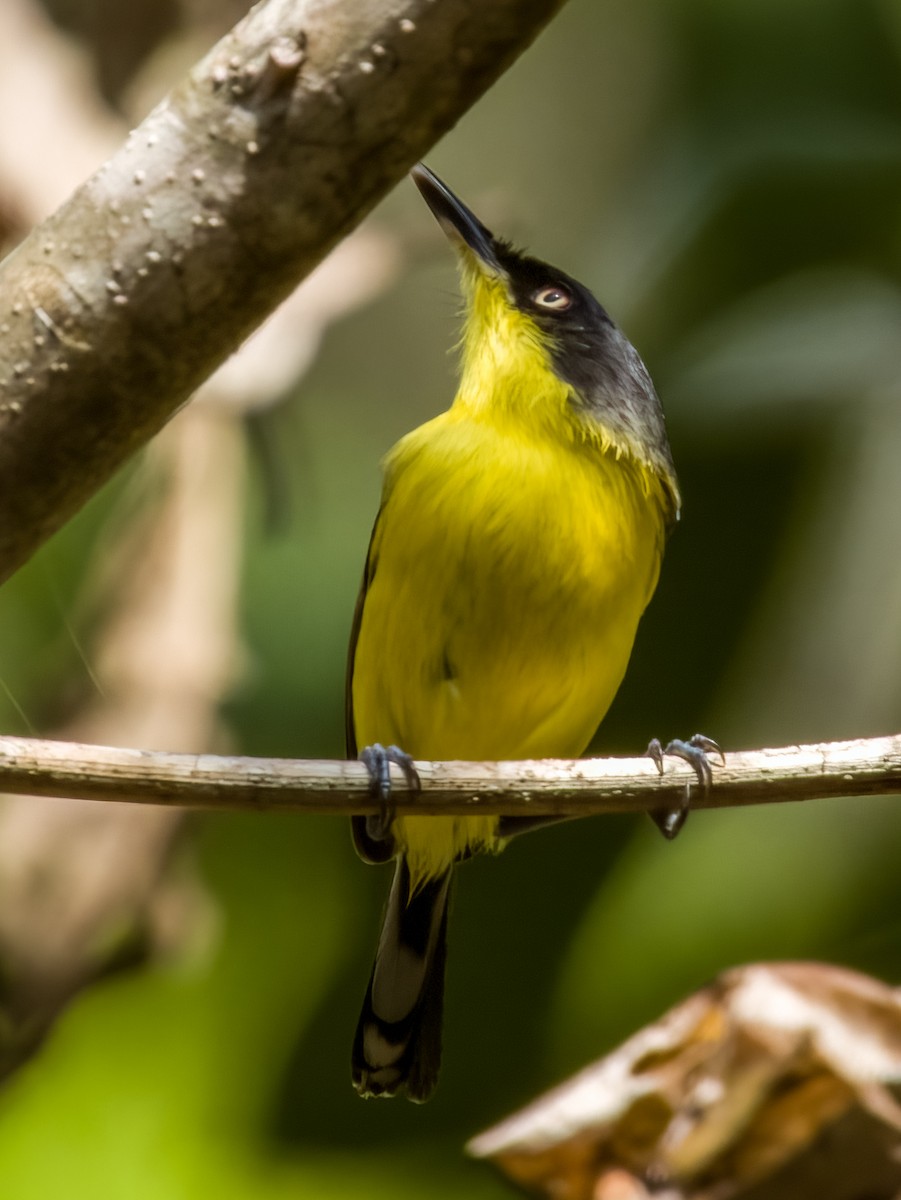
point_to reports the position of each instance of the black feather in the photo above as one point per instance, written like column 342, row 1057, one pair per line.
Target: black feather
column 398, row 1039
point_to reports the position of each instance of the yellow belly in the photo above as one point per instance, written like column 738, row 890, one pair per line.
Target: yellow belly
column 510, row 573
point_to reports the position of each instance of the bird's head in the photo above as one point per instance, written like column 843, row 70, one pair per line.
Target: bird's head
column 533, row 333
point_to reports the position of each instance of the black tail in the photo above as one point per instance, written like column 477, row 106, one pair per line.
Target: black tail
column 398, row 1039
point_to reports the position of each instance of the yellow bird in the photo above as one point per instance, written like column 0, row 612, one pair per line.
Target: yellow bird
column 518, row 541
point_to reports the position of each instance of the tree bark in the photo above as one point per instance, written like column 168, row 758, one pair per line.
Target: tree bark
column 541, row 788
column 118, row 306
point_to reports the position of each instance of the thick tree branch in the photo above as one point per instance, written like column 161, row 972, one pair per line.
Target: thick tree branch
column 549, row 787
column 116, row 308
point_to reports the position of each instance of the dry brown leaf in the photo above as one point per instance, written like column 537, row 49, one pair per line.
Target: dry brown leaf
column 773, row 1082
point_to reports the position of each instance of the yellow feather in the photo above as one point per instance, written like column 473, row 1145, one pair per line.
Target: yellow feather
column 517, row 547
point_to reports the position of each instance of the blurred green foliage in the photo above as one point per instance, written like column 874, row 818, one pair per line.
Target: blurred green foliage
column 726, row 175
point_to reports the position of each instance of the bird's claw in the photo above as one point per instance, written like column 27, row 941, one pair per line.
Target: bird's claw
column 377, row 760
column 694, row 752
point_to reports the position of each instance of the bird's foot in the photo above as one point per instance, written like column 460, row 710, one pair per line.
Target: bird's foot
column 694, row 752
column 377, row 760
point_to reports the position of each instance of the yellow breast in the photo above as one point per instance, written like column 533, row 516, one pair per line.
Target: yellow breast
column 510, row 572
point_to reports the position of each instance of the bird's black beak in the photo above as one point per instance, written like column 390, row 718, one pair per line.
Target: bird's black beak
column 460, row 224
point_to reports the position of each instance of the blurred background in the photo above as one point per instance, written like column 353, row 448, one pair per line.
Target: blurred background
column 177, row 996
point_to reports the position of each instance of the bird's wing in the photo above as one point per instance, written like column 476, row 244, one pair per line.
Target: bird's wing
column 367, row 847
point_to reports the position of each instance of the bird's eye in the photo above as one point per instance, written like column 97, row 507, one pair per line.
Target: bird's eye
column 554, row 297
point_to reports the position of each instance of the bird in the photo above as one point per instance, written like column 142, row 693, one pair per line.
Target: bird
column 518, row 541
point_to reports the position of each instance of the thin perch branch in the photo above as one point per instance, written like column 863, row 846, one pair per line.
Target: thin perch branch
column 549, row 787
